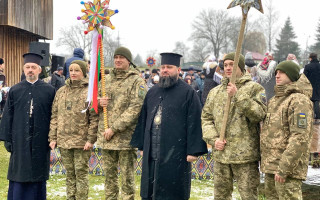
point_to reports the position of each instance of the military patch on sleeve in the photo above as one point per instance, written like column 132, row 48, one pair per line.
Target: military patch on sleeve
column 141, row 92
column 302, row 120
column 263, row 98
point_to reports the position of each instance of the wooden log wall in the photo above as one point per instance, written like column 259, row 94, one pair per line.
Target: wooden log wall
column 13, row 44
column 35, row 16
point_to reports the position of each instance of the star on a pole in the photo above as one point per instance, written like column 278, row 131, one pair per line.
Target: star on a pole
column 97, row 15
column 247, row 4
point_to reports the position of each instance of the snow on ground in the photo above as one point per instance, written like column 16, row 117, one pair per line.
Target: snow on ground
column 98, row 187
column 57, row 192
column 313, row 176
column 202, row 191
column 54, row 189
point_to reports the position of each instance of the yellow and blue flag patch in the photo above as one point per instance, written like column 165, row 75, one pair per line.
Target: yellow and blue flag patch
column 302, row 120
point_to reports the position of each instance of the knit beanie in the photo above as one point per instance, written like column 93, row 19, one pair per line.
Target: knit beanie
column 83, row 66
column 124, row 52
column 230, row 56
column 248, row 60
column 290, row 68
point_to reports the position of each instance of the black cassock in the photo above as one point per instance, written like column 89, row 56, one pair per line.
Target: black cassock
column 25, row 124
column 181, row 135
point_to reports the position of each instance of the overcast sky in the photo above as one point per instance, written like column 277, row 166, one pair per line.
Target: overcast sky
column 145, row 25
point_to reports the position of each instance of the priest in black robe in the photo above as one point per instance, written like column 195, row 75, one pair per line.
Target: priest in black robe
column 169, row 134
column 24, row 128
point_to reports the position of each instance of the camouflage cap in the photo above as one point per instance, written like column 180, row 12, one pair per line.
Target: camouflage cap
column 124, row 52
column 83, row 66
column 230, row 56
column 290, row 68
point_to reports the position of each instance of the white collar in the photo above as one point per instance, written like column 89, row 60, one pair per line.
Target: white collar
column 32, row 82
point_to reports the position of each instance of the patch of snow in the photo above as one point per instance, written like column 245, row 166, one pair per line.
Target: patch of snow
column 98, row 187
column 60, row 192
column 313, row 176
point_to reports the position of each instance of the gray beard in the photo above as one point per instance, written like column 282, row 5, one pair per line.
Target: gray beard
column 166, row 82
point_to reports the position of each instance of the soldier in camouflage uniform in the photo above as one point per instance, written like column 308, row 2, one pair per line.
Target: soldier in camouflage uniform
column 286, row 134
column 237, row 156
column 125, row 94
column 74, row 131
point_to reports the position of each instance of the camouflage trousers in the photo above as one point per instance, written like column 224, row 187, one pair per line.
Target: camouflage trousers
column 125, row 159
column 247, row 176
column 76, row 162
column 289, row 190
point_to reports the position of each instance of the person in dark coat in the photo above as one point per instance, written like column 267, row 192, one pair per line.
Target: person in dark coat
column 2, row 76
column 169, row 134
column 24, row 128
column 57, row 78
column 312, row 72
column 78, row 54
column 2, row 84
column 209, row 69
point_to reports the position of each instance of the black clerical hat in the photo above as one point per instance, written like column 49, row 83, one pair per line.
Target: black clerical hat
column 32, row 58
column 170, row 59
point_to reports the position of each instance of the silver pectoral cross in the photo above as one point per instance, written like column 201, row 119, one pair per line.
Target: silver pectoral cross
column 31, row 107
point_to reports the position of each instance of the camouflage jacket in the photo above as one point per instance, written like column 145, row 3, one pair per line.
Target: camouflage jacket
column 247, row 109
column 286, row 132
column 126, row 90
column 69, row 126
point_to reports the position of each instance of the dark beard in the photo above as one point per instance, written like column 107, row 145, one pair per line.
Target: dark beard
column 166, row 82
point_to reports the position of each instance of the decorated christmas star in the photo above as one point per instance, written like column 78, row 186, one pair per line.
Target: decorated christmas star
column 97, row 15
column 246, row 4
column 151, row 61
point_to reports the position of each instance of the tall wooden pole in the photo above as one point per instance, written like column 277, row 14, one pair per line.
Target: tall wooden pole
column 245, row 7
column 233, row 76
column 103, row 84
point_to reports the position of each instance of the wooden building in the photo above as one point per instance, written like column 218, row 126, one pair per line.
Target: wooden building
column 22, row 22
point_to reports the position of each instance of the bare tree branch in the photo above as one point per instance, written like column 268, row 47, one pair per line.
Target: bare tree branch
column 212, row 26
column 74, row 37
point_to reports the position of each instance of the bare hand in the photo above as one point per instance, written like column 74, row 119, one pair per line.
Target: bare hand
column 88, row 146
column 53, row 144
column 141, row 153
column 231, row 89
column 279, row 179
column 191, row 158
column 103, row 101
column 219, row 145
column 108, row 134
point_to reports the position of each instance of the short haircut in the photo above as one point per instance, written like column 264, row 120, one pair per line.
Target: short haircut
column 1, row 61
column 313, row 56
